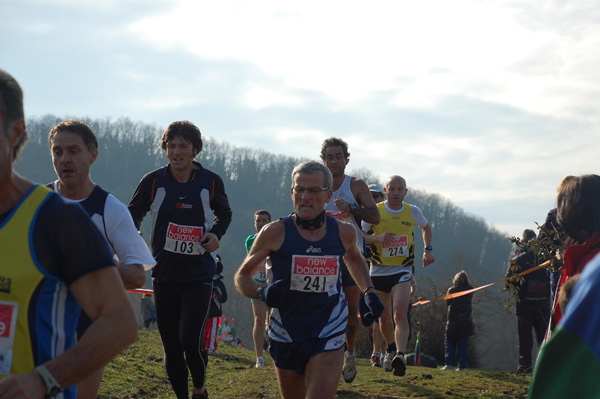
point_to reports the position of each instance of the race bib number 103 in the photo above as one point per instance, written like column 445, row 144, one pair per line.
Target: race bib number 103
column 184, row 240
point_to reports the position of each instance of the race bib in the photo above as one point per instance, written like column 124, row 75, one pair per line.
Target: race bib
column 184, row 240
column 339, row 215
column 398, row 247
column 8, row 324
column 316, row 274
column 261, row 274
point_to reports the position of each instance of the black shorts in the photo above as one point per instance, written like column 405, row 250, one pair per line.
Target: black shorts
column 347, row 280
column 385, row 283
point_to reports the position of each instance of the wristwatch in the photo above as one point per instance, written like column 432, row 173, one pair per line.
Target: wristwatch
column 353, row 207
column 52, row 386
column 428, row 248
column 259, row 293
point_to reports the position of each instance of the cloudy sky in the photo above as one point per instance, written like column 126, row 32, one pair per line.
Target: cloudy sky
column 487, row 103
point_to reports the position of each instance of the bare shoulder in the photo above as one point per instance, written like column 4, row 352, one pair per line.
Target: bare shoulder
column 271, row 235
column 347, row 232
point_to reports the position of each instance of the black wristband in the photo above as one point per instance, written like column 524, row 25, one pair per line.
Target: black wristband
column 367, row 289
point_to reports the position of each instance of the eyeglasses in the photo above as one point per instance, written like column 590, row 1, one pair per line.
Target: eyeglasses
column 311, row 190
column 376, row 195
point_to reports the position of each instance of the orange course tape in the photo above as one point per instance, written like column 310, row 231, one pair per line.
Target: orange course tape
column 458, row 294
column 141, row 291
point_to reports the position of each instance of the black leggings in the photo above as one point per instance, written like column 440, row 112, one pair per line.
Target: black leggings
column 181, row 311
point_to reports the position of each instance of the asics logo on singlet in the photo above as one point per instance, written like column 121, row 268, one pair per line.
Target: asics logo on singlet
column 313, row 250
column 5, row 284
column 181, row 205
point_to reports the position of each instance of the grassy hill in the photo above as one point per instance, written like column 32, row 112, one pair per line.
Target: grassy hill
column 138, row 372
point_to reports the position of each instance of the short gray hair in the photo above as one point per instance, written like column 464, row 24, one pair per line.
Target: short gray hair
column 314, row 167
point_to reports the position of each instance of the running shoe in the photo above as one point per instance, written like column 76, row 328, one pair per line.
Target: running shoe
column 399, row 365
column 349, row 369
column 446, row 367
column 203, row 395
column 376, row 359
column 260, row 362
column 387, row 361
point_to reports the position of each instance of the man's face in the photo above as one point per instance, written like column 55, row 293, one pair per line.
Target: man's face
column 261, row 221
column 71, row 159
column 180, row 153
column 335, row 160
column 309, row 202
column 396, row 191
column 377, row 196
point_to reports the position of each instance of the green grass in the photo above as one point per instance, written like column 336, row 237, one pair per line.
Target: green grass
column 138, row 372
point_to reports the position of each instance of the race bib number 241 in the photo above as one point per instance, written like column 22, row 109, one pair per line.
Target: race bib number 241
column 316, row 274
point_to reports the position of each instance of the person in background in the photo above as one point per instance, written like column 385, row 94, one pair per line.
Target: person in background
column 213, row 323
column 260, row 310
column 578, row 213
column 392, row 266
column 351, row 202
column 148, row 311
column 460, row 324
column 190, row 213
column 552, row 227
column 47, row 270
column 74, row 148
column 533, row 304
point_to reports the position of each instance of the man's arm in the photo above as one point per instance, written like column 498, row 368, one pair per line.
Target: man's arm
column 102, row 297
column 367, row 209
column 428, row 257
column 353, row 257
column 268, row 240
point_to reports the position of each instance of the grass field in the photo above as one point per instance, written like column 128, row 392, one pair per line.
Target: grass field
column 138, row 372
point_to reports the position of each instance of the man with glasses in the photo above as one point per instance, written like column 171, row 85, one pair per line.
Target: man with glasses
column 392, row 266
column 308, row 317
column 351, row 202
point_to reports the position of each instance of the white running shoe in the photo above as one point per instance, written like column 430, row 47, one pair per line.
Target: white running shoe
column 349, row 369
column 260, row 362
column 387, row 361
column 376, row 359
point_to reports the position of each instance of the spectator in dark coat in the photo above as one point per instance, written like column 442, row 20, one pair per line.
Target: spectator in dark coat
column 460, row 325
column 533, row 305
column 148, row 311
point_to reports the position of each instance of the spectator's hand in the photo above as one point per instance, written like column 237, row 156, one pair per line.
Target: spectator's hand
column 274, row 293
column 428, row 258
column 376, row 307
column 210, row 242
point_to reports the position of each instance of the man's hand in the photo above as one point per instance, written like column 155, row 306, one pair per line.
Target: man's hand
column 342, row 205
column 428, row 258
column 376, row 307
column 28, row 385
column 386, row 237
column 274, row 293
column 210, row 242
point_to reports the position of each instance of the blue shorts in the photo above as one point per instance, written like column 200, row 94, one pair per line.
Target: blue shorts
column 296, row 355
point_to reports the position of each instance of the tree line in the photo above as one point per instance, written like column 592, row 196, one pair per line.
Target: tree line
column 255, row 179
